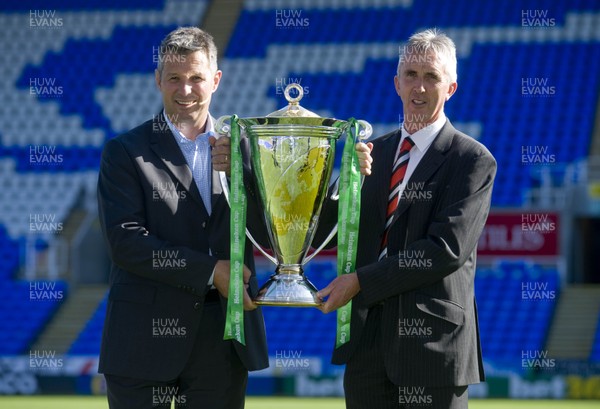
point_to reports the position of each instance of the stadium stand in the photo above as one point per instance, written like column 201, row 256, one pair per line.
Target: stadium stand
column 26, row 308
column 97, row 73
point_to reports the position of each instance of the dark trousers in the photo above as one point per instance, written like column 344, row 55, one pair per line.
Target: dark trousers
column 214, row 378
column 367, row 386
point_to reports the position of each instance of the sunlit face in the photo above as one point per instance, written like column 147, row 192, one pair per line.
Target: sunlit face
column 424, row 88
column 187, row 84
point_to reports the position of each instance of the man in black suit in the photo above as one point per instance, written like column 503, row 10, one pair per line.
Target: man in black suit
column 414, row 337
column 166, row 223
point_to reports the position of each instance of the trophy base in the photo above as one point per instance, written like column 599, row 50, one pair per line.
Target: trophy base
column 288, row 289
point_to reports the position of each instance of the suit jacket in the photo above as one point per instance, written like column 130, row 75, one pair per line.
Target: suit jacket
column 164, row 247
column 429, row 319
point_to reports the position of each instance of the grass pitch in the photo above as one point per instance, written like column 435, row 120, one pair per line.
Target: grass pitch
column 94, row 402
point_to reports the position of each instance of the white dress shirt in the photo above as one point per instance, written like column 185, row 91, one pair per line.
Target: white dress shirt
column 422, row 139
column 197, row 155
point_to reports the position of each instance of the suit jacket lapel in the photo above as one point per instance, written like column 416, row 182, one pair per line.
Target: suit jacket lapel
column 163, row 143
column 434, row 157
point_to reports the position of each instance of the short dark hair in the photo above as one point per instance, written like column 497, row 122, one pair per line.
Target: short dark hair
column 186, row 40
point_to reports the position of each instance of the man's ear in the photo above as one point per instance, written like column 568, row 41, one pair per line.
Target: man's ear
column 157, row 78
column 217, row 80
column 397, row 84
column 451, row 89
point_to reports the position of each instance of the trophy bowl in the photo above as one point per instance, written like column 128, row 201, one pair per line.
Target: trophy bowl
column 292, row 152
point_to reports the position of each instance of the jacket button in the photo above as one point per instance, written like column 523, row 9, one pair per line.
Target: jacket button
column 197, row 306
column 204, row 225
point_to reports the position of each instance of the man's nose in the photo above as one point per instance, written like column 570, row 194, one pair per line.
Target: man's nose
column 419, row 87
column 186, row 88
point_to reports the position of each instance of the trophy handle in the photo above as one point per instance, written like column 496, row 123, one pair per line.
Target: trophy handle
column 223, row 127
column 364, row 133
column 225, row 186
column 322, row 246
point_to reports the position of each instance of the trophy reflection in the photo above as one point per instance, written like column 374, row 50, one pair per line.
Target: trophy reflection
column 292, row 152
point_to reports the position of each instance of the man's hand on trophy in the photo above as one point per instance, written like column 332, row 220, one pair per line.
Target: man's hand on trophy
column 340, row 291
column 363, row 151
column 221, row 154
column 221, row 281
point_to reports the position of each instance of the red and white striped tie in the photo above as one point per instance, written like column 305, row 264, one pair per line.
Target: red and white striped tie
column 398, row 173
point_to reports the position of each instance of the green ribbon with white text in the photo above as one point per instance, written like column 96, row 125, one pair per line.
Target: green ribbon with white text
column 234, row 324
column 348, row 223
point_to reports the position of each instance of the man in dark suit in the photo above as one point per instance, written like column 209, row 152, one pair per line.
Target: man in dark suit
column 166, row 223
column 414, row 337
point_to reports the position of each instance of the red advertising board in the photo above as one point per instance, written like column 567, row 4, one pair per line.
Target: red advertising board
column 520, row 234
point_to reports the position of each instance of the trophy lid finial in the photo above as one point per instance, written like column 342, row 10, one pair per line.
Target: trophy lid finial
column 293, row 109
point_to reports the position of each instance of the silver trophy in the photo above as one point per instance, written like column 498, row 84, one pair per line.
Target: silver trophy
column 292, row 152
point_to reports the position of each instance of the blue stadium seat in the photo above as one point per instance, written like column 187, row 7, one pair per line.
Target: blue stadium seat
column 23, row 315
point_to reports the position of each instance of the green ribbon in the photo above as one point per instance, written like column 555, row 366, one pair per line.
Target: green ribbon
column 234, row 324
column 348, row 223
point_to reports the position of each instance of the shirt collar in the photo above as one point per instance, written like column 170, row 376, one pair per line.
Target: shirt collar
column 208, row 131
column 424, row 137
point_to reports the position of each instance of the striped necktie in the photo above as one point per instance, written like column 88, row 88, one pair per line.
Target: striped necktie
column 398, row 173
